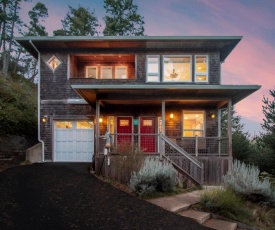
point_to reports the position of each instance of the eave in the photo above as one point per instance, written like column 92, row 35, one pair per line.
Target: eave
column 107, row 44
column 150, row 93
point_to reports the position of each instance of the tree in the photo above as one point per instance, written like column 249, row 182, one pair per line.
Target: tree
column 122, row 19
column 241, row 145
column 269, row 121
column 78, row 22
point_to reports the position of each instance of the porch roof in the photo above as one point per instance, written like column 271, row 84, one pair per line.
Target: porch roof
column 77, row 44
column 213, row 94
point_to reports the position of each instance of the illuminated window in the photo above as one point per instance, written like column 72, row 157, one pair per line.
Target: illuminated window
column 153, row 68
column 53, row 62
column 64, row 125
column 84, row 125
column 201, row 68
column 106, row 72
column 193, row 123
column 177, row 68
column 121, row 72
column 91, row 71
column 124, row 123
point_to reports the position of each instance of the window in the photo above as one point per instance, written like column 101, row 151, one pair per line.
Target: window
column 84, row 125
column 106, row 72
column 177, row 68
column 64, row 125
column 153, row 68
column 91, row 71
column 121, row 72
column 53, row 62
column 201, row 68
column 193, row 123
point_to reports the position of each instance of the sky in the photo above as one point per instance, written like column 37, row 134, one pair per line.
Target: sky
column 252, row 62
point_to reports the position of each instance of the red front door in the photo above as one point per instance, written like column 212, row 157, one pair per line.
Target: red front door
column 147, row 134
column 124, row 126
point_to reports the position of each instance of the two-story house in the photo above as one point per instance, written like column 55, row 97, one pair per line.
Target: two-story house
column 162, row 94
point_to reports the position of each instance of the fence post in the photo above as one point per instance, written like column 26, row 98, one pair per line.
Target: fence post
column 196, row 146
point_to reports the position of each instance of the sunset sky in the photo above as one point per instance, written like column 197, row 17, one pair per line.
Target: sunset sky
column 252, row 62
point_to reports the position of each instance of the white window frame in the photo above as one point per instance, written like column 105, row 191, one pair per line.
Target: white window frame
column 207, row 68
column 102, row 67
column 194, row 130
column 177, row 55
column 126, row 72
column 157, row 74
column 96, row 70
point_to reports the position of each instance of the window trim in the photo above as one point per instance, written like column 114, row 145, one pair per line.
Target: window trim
column 152, row 74
column 126, row 71
column 177, row 55
column 96, row 70
column 204, row 121
column 102, row 67
column 201, row 74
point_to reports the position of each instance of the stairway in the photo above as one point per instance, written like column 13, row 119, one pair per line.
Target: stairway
column 181, row 203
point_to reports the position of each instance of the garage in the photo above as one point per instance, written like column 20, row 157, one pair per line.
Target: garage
column 73, row 141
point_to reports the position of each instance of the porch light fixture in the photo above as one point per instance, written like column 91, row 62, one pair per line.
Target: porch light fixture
column 100, row 120
column 44, row 119
column 171, row 115
column 212, row 115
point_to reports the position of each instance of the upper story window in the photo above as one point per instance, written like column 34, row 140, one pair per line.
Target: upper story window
column 193, row 123
column 53, row 62
column 120, row 72
column 91, row 72
column 106, row 72
column 153, row 74
column 201, row 68
column 177, row 68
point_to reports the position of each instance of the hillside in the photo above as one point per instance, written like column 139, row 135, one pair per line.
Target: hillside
column 18, row 106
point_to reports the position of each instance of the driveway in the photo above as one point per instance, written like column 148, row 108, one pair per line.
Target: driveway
column 65, row 196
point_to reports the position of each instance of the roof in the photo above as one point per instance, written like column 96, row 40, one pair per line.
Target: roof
column 222, row 44
column 149, row 93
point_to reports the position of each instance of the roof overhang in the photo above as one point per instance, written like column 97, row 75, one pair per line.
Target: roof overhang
column 222, row 44
column 138, row 94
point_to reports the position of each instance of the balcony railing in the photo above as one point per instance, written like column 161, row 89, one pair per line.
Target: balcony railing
column 150, row 144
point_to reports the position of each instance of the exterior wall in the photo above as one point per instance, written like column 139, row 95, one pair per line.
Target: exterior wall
column 55, row 90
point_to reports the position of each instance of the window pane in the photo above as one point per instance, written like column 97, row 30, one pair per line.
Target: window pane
column 193, row 124
column 177, row 68
column 91, row 72
column 201, row 64
column 121, row 72
column 153, row 68
column 84, row 125
column 106, row 72
column 63, row 124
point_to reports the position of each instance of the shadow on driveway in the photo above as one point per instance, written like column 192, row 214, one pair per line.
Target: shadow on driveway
column 65, row 196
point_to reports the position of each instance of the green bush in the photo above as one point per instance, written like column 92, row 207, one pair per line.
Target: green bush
column 244, row 179
column 154, row 176
column 224, row 202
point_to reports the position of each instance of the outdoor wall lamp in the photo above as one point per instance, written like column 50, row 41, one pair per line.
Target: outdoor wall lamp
column 100, row 120
column 44, row 119
column 212, row 115
column 171, row 115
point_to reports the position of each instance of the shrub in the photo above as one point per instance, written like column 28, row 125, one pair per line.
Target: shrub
column 224, row 202
column 154, row 176
column 244, row 179
column 128, row 160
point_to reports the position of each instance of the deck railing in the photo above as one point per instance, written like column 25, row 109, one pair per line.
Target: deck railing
column 150, row 144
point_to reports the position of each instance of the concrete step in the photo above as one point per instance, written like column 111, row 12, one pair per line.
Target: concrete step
column 198, row 216
column 170, row 204
column 220, row 224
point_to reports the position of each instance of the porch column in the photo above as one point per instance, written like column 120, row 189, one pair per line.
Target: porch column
column 162, row 144
column 97, row 126
column 219, row 129
column 229, row 126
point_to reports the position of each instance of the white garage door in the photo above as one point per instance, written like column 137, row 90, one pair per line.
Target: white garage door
column 73, row 141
